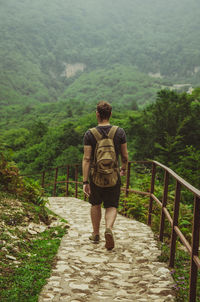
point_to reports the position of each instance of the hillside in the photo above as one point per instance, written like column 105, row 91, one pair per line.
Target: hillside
column 30, row 235
column 125, row 87
column 39, row 38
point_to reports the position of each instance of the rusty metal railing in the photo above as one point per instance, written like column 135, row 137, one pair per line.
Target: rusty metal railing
column 175, row 231
column 69, row 169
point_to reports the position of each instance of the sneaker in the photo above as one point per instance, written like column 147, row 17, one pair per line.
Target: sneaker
column 109, row 239
column 94, row 238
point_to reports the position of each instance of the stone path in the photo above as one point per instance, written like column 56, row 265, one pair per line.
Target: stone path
column 88, row 272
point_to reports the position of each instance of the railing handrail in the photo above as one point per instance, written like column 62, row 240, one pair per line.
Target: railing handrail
column 51, row 169
column 179, row 179
column 173, row 174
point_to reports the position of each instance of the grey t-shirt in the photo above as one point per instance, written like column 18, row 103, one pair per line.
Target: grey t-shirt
column 119, row 138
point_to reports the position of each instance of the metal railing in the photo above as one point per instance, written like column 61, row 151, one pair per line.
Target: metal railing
column 175, row 231
column 70, row 170
column 192, row 248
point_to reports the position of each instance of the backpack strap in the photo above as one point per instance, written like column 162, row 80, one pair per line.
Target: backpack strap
column 96, row 134
column 112, row 132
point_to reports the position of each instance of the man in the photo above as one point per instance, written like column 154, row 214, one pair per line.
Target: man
column 108, row 195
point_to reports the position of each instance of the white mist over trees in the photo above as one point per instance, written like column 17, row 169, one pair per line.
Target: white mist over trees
column 39, row 37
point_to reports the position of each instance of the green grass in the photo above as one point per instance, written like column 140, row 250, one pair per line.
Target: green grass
column 24, row 283
column 26, row 259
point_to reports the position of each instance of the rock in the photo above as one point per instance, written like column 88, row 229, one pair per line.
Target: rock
column 11, row 257
column 169, row 298
column 159, row 290
column 121, row 292
column 57, row 223
column 16, row 249
column 78, row 286
column 32, row 232
column 11, row 235
column 162, row 271
column 34, row 228
column 89, row 259
column 122, row 266
column 64, row 268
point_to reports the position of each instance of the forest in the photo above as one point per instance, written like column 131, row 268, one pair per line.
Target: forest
column 59, row 59
column 167, row 130
column 39, row 38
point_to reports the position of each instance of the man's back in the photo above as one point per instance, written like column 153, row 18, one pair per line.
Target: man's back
column 119, row 138
column 105, row 168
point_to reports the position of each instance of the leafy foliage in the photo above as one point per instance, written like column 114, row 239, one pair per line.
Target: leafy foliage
column 12, row 183
column 168, row 131
column 122, row 85
column 25, row 260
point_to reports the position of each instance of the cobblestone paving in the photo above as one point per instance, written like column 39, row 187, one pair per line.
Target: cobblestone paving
column 88, row 272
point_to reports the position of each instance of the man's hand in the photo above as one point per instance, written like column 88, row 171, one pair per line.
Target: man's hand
column 86, row 189
column 124, row 157
column 122, row 172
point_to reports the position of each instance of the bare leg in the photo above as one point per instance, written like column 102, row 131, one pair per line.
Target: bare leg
column 110, row 216
column 96, row 218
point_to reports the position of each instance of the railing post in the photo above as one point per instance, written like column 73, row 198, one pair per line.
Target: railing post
column 151, row 192
column 67, row 183
column 175, row 223
column 127, row 187
column 55, row 181
column 76, row 179
column 43, row 177
column 128, row 178
column 195, row 247
column 164, row 203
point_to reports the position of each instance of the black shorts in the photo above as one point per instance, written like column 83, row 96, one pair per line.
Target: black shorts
column 109, row 196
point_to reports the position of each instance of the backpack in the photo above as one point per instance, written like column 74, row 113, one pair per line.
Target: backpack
column 104, row 169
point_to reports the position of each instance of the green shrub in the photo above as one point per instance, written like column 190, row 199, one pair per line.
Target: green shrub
column 11, row 182
column 134, row 206
column 33, row 192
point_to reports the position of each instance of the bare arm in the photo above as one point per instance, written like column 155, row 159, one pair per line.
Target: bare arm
column 86, row 168
column 124, row 159
column 86, row 162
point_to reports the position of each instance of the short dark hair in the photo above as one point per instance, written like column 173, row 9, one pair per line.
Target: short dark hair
column 104, row 109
